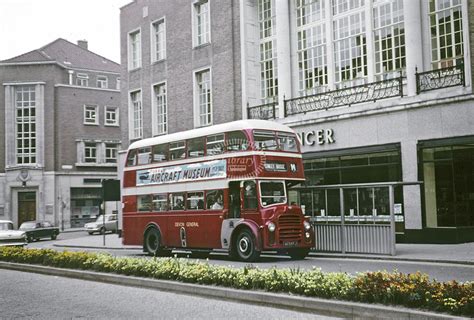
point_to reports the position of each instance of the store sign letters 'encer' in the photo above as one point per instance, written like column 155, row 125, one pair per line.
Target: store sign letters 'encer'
column 319, row 137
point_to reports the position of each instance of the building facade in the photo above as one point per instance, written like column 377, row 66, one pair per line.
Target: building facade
column 379, row 91
column 60, row 134
column 180, row 66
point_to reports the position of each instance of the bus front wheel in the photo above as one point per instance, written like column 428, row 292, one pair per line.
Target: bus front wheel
column 244, row 247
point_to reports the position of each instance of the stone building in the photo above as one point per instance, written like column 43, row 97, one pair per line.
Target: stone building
column 59, row 129
column 378, row 90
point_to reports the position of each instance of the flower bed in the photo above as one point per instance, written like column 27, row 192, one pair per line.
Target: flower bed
column 390, row 288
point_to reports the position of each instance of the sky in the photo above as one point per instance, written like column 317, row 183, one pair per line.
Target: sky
column 26, row 25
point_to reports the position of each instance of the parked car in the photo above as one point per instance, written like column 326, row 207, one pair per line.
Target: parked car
column 9, row 236
column 36, row 230
column 99, row 226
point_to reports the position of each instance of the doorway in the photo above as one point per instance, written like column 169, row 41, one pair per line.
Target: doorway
column 26, row 207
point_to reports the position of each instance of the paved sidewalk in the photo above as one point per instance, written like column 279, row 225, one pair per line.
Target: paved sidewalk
column 449, row 253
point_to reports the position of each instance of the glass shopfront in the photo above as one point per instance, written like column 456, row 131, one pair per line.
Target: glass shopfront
column 85, row 205
column 362, row 165
column 447, row 169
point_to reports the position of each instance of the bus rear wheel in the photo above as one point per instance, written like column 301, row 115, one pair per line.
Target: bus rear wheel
column 244, row 247
column 152, row 242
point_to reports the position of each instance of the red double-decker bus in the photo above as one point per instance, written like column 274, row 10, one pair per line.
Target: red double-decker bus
column 219, row 187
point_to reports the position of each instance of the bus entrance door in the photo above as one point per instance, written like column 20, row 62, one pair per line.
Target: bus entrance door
column 234, row 199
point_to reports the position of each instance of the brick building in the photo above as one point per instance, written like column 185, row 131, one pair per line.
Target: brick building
column 378, row 90
column 59, row 129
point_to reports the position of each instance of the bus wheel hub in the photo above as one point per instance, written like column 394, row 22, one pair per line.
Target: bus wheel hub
column 244, row 244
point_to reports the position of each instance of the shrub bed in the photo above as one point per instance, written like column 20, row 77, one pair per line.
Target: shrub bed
column 392, row 288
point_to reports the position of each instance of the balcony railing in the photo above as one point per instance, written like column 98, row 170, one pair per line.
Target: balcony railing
column 263, row 112
column 345, row 97
column 440, row 78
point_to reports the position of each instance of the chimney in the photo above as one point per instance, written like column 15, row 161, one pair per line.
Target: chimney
column 82, row 44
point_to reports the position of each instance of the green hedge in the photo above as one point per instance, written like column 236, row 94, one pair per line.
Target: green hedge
column 410, row 290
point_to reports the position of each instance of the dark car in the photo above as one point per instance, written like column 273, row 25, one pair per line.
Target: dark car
column 36, row 230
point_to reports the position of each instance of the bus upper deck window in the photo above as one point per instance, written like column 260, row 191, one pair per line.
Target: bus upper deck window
column 177, row 150
column 144, row 156
column 287, row 142
column 196, row 147
column 215, row 144
column 265, row 140
column 132, row 159
column 160, row 153
column 236, row 141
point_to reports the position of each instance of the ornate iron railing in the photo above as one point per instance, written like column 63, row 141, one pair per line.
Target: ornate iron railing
column 263, row 111
column 440, row 78
column 346, row 97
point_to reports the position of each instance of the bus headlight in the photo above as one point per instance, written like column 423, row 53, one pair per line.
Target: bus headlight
column 307, row 225
column 271, row 227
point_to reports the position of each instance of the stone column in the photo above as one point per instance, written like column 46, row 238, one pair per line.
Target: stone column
column 411, row 194
column 282, row 29
column 413, row 42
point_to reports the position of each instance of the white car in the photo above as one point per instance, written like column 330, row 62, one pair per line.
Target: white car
column 98, row 225
column 10, row 237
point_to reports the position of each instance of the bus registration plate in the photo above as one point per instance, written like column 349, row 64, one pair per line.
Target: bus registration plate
column 290, row 243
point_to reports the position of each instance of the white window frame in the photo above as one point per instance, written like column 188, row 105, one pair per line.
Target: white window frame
column 82, row 79
column 268, row 57
column 312, row 47
column 436, row 61
column 159, row 128
column 92, row 149
column 116, row 112
column 102, row 82
column 27, row 154
column 132, row 62
column 110, row 147
column 135, row 133
column 87, row 115
column 158, row 55
column 395, row 54
column 196, row 94
column 197, row 42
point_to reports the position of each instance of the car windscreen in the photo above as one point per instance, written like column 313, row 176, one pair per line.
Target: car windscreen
column 28, row 225
column 6, row 226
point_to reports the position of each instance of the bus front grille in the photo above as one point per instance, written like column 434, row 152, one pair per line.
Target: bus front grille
column 289, row 228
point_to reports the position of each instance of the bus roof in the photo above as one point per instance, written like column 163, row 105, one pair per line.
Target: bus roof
column 215, row 129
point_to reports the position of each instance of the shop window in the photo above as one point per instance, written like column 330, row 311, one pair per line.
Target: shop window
column 448, row 176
